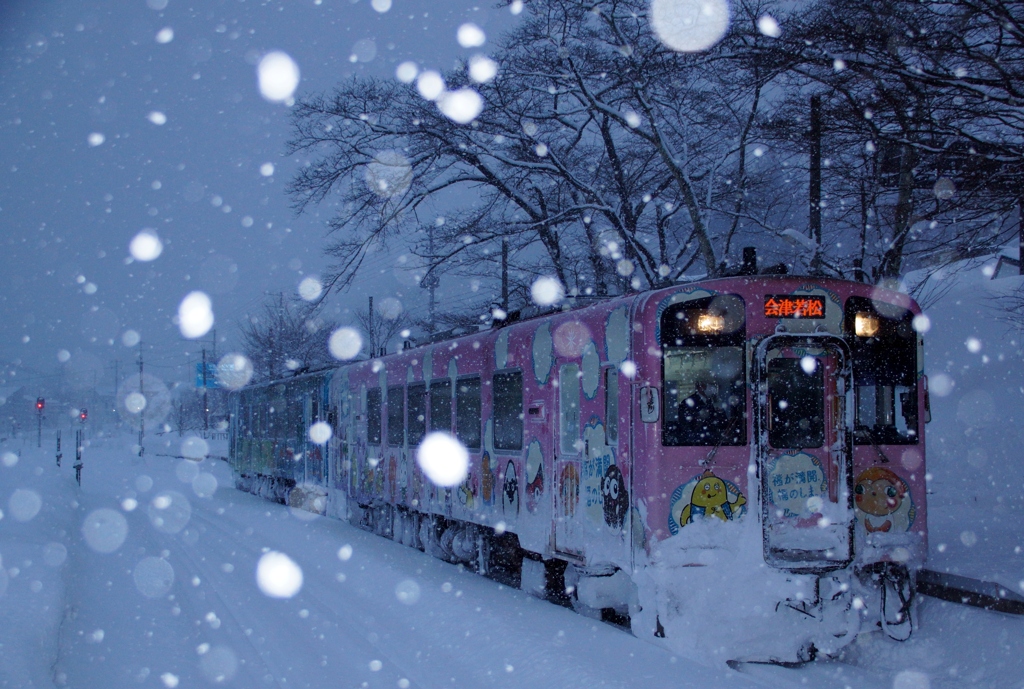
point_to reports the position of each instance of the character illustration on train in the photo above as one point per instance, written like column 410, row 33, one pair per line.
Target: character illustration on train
column 727, row 449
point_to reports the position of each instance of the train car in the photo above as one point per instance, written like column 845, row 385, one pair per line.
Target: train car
column 270, row 448
column 733, row 467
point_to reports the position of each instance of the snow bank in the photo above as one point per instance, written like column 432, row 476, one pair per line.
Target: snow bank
column 974, row 359
column 717, row 600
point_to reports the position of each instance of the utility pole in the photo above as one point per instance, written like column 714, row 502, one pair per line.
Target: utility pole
column 504, row 276
column 369, row 326
column 432, row 285
column 206, row 405
column 815, row 182
column 142, row 412
column 277, row 362
column 217, row 370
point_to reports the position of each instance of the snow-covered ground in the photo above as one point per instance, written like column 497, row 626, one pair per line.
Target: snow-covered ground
column 386, row 616
column 146, row 575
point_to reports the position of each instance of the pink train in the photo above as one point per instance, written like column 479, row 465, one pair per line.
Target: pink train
column 733, row 467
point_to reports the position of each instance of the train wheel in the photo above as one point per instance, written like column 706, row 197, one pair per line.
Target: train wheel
column 505, row 560
column 554, row 582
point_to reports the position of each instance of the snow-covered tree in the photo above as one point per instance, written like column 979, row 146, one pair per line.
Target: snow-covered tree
column 920, row 122
column 606, row 158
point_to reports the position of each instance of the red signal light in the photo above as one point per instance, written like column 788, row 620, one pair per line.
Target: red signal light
column 40, row 403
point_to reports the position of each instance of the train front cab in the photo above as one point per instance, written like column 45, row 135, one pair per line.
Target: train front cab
column 796, row 404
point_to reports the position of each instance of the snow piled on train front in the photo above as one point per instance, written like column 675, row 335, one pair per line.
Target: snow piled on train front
column 707, row 593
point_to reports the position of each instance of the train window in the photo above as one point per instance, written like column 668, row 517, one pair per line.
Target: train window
column 569, row 409
column 508, row 410
column 704, row 372
column 417, row 413
column 373, row 412
column 797, row 404
column 441, row 406
column 883, row 343
column 611, row 405
column 467, row 411
column 396, row 416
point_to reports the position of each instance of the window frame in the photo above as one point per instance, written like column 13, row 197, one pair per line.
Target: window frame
column 775, row 414
column 518, row 420
column 391, row 416
column 471, row 442
column 674, row 337
column 564, row 419
column 411, row 389
column 374, row 420
column 885, row 362
column 434, row 398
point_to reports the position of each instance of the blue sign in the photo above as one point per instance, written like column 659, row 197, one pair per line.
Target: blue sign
column 211, row 375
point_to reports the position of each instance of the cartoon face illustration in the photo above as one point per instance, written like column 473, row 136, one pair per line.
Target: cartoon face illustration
column 882, row 498
column 535, row 488
column 614, row 497
column 710, row 498
column 534, row 476
column 879, row 492
column 510, row 491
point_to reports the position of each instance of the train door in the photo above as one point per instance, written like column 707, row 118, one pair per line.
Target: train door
column 568, row 452
column 804, row 450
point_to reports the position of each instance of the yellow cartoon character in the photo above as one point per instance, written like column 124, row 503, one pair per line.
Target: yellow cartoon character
column 710, row 498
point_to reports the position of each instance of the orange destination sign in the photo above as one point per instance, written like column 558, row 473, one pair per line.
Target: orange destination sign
column 789, row 306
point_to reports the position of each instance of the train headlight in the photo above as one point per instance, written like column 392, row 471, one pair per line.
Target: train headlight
column 710, row 324
column 865, row 325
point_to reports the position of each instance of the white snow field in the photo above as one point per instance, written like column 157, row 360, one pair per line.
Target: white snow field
column 388, row 616
column 150, row 575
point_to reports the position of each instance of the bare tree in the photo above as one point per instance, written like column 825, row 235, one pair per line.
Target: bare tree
column 284, row 338
column 382, row 325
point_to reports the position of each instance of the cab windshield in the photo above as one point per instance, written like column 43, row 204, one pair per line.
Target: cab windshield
column 704, row 373
column 884, row 347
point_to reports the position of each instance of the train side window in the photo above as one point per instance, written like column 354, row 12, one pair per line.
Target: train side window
column 508, row 410
column 569, row 409
column 611, row 405
column 441, row 406
column 373, row 414
column 417, row 413
column 796, row 417
column 467, row 411
column 396, row 416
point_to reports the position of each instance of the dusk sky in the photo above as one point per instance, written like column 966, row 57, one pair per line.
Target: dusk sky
column 122, row 115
